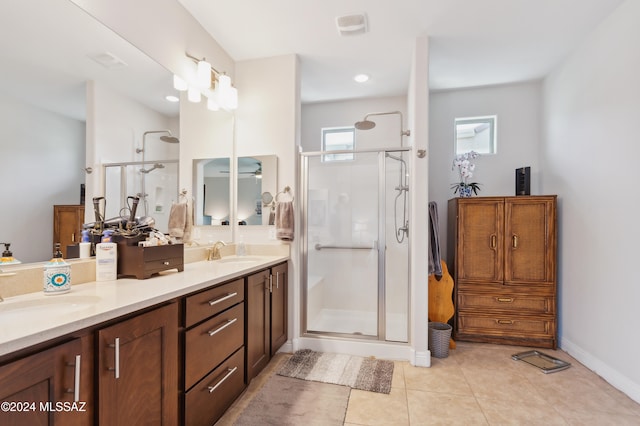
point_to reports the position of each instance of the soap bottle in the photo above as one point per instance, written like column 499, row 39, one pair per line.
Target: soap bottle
column 57, row 274
column 106, row 258
column 85, row 245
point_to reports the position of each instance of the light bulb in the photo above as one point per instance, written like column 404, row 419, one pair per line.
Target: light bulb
column 204, row 74
column 193, row 94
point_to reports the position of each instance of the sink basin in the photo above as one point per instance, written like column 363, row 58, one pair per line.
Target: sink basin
column 45, row 307
column 239, row 259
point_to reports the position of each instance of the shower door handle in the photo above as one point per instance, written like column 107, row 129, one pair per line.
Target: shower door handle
column 320, row 247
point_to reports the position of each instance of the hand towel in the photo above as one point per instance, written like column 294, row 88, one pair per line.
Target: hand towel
column 284, row 221
column 177, row 219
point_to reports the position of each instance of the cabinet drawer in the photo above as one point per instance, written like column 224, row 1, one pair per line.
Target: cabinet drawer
column 210, row 302
column 207, row 400
column 211, row 342
column 507, row 302
column 506, row 325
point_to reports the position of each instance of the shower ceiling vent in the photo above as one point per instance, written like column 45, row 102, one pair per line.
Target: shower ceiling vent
column 352, row 24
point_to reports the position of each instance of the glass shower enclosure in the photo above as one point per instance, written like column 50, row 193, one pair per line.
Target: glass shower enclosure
column 355, row 244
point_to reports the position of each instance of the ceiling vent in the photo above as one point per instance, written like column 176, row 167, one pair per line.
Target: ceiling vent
column 109, row 60
column 352, row 24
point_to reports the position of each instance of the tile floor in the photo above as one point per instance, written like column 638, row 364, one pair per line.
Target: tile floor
column 479, row 384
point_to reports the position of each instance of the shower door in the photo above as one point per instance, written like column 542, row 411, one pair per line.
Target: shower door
column 341, row 241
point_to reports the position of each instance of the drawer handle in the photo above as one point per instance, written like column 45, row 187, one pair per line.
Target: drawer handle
column 166, row 263
column 505, row 322
column 76, row 379
column 230, row 371
column 222, row 327
column 504, row 299
column 514, row 241
column 493, row 243
column 222, row 299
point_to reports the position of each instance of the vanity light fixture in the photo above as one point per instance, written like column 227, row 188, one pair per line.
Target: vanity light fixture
column 211, row 83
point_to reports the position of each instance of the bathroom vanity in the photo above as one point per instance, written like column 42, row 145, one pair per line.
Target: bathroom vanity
column 171, row 349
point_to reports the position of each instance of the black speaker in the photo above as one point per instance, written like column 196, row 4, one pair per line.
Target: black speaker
column 523, row 181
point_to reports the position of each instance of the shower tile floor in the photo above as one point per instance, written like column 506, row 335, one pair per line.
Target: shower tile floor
column 479, row 384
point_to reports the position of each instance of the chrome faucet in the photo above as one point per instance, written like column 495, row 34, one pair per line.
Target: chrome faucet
column 214, row 252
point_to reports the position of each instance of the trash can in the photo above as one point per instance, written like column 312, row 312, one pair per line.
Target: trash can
column 439, row 336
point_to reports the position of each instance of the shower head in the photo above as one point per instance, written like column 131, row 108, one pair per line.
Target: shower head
column 155, row 166
column 169, row 139
column 365, row 125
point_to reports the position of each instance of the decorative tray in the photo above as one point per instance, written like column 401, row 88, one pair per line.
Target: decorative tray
column 544, row 362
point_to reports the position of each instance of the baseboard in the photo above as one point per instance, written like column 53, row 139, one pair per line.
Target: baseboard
column 420, row 359
column 614, row 377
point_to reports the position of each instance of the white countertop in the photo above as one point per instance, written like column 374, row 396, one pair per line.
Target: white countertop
column 35, row 317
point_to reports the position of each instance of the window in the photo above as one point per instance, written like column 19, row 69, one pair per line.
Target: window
column 338, row 139
column 476, row 134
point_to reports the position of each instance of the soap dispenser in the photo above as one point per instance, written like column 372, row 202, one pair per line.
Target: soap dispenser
column 57, row 274
column 7, row 257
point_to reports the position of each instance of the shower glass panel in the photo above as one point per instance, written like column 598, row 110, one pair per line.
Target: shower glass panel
column 124, row 180
column 342, row 237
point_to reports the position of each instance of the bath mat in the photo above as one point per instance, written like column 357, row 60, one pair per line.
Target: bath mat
column 369, row 374
column 284, row 401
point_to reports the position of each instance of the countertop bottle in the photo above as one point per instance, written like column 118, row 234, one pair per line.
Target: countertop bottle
column 57, row 274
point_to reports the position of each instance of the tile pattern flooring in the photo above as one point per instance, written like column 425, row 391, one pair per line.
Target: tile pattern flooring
column 479, row 384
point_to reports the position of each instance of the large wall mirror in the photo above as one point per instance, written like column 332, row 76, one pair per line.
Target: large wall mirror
column 256, row 175
column 50, row 50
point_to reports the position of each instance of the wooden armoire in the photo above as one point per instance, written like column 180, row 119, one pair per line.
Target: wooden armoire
column 502, row 253
column 67, row 225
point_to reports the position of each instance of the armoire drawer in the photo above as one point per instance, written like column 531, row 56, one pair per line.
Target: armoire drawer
column 201, row 306
column 208, row 399
column 506, row 325
column 516, row 303
column 211, row 342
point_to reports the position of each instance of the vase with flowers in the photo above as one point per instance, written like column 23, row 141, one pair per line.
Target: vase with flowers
column 465, row 167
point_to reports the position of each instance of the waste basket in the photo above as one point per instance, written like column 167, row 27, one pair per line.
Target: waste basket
column 439, row 336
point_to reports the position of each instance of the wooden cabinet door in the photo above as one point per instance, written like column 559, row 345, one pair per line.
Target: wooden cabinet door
column 257, row 324
column 279, row 323
column 480, row 240
column 67, row 224
column 40, row 387
column 529, row 240
column 138, row 370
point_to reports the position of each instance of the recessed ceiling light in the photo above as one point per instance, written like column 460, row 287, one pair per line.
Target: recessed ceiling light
column 172, row 98
column 361, row 78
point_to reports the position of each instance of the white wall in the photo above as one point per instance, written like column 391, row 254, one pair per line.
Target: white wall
column 115, row 128
column 517, row 107
column 44, row 151
column 315, row 116
column 590, row 156
column 267, row 121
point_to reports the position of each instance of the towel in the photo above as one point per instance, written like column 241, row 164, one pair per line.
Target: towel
column 435, row 262
column 284, row 221
column 181, row 221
